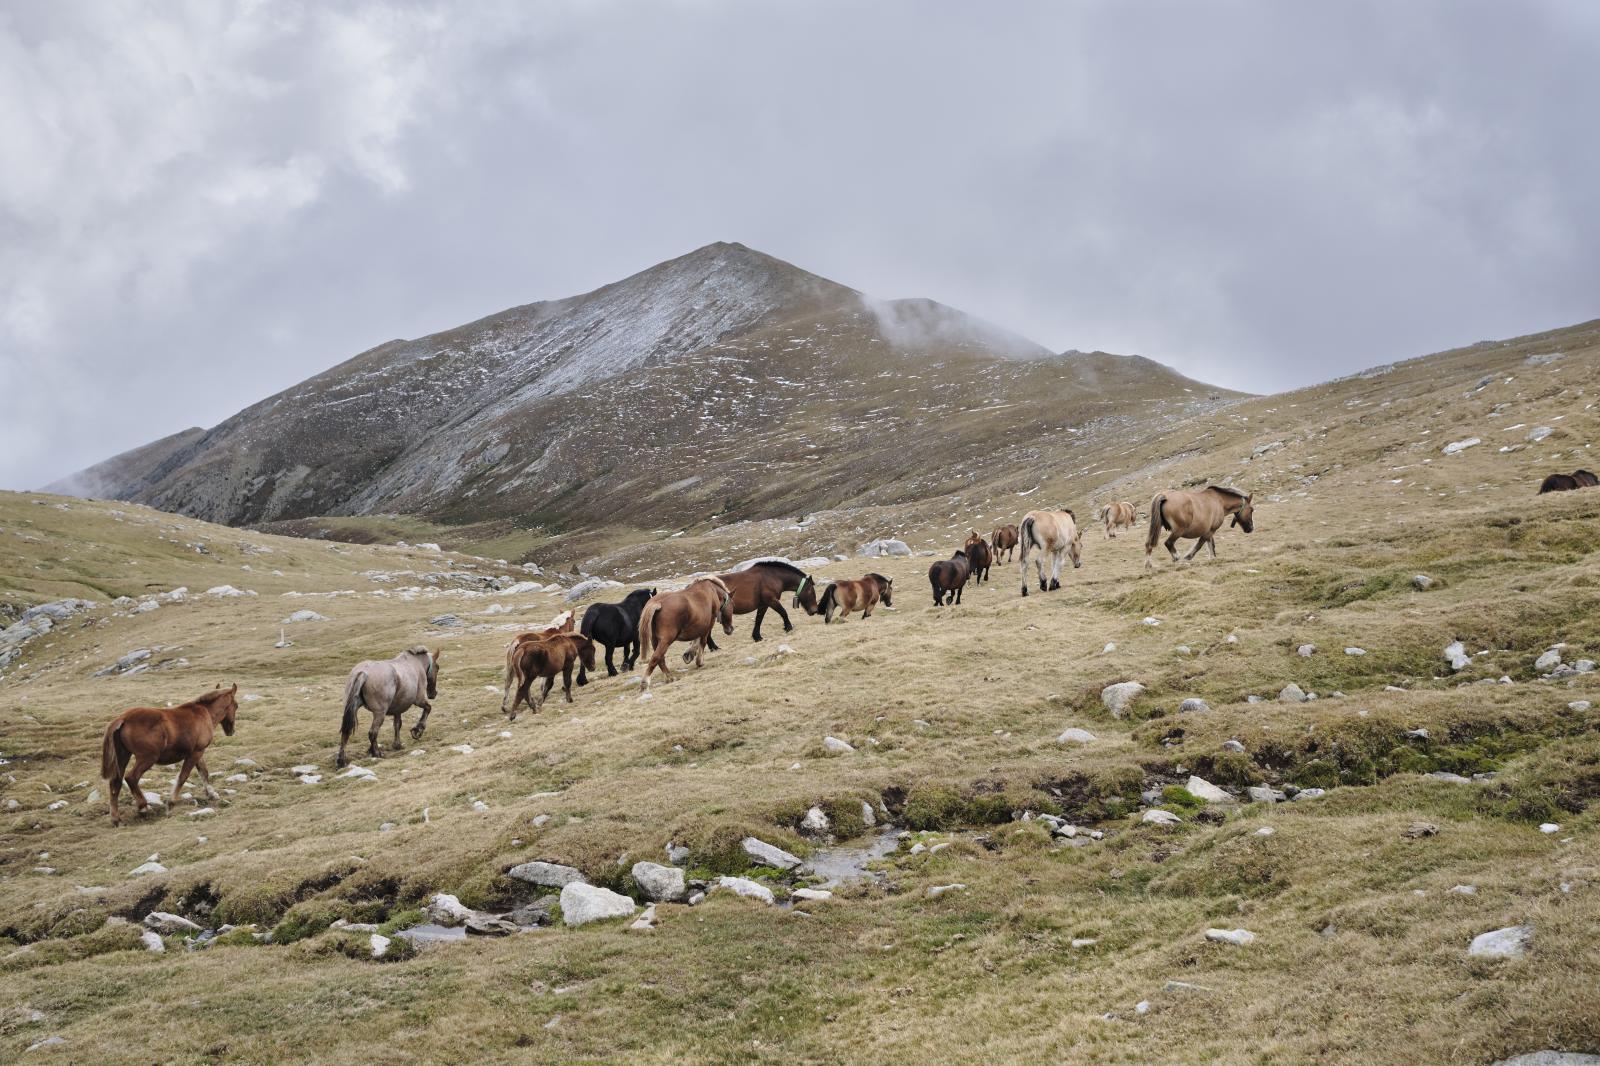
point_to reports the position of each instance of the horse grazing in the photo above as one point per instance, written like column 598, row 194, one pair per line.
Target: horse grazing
column 1198, row 515
column 1578, row 479
column 862, row 595
column 165, row 735
column 1120, row 515
column 1052, row 533
column 545, row 657
column 979, row 556
column 615, row 625
column 687, row 614
column 760, row 588
column 949, row 577
column 391, row 688
column 1004, row 539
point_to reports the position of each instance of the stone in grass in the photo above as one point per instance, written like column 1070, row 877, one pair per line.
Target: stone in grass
column 768, row 854
column 1551, row 1058
column 1119, row 697
column 1263, row 794
column 1236, row 937
column 1508, row 943
column 1548, row 661
column 1193, row 704
column 812, row 894
column 659, row 882
column 834, row 744
column 1235, row 746
column 815, row 821
column 1421, row 582
column 169, row 924
column 446, row 910
column 1306, row 651
column 1159, row 817
column 153, row 942
column 1200, row 788
column 1579, row 705
column 1076, row 736
column 743, row 886
column 548, row 874
column 151, row 867
column 1291, row 693
column 379, row 945
column 935, row 891
column 583, row 903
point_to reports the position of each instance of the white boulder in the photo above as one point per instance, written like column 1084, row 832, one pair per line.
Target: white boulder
column 584, row 903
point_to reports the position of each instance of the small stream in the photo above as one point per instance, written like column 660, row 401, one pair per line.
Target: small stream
column 841, row 865
column 427, row 934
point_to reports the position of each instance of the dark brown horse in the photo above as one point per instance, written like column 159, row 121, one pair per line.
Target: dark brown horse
column 863, row 595
column 1578, row 479
column 688, row 614
column 978, row 556
column 949, row 577
column 1198, row 515
column 165, row 735
column 1004, row 539
column 760, row 588
column 544, row 657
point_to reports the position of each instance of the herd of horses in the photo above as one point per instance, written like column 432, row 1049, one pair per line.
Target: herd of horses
column 647, row 623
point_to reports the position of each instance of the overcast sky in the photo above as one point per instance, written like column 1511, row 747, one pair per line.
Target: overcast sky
column 203, row 203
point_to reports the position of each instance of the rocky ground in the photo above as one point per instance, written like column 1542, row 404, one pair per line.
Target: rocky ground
column 1327, row 798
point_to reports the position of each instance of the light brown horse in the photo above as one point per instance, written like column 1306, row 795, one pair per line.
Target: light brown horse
column 165, row 735
column 1119, row 515
column 561, row 623
column 544, row 657
column 688, row 614
column 1004, row 539
column 389, row 688
column 863, row 595
column 979, row 557
column 1052, row 533
column 1198, row 515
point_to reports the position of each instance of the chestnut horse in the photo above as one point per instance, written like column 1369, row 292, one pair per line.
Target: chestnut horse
column 979, row 555
column 165, row 735
column 1004, row 539
column 760, row 587
column 687, row 614
column 544, row 657
column 561, row 623
column 1053, row 533
column 1578, row 479
column 389, row 688
column 1120, row 515
column 863, row 595
column 1198, row 515
column 949, row 577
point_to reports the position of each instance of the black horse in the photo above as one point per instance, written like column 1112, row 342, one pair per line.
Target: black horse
column 949, row 578
column 1578, row 479
column 616, row 625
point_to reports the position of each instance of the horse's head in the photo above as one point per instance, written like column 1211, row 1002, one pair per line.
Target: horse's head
column 886, row 590
column 431, row 660
column 806, row 594
column 585, row 652
column 1075, row 548
column 227, row 705
column 1244, row 517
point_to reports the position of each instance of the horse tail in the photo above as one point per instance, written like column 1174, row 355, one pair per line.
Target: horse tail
column 352, row 700
column 1026, row 536
column 1158, row 522
column 647, row 630
column 111, row 751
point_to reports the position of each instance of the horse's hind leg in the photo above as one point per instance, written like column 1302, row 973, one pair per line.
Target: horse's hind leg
column 372, row 735
column 566, row 682
column 1055, row 571
column 1172, row 548
column 1200, row 542
column 611, row 671
column 140, row 765
column 397, row 744
column 114, row 786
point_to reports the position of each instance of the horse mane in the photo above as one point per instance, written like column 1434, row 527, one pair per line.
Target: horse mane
column 781, row 564
column 879, row 578
column 961, row 552
column 212, row 696
column 1235, row 493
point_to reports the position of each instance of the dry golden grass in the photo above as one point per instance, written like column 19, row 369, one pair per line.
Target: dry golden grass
column 1361, row 949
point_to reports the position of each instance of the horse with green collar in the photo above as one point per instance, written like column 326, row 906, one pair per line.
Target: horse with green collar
column 760, row 587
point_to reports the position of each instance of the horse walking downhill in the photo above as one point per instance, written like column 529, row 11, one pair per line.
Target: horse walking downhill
column 1198, row 515
column 389, row 688
column 1052, row 533
column 688, row 614
column 150, row 735
column 863, row 595
column 1119, row 515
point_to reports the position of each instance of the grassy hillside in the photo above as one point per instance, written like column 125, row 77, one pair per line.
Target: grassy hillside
column 1361, row 933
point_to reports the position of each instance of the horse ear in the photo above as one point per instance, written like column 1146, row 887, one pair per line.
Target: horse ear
column 234, row 689
column 436, row 658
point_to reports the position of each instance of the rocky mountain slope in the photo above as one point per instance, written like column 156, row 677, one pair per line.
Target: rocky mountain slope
column 724, row 383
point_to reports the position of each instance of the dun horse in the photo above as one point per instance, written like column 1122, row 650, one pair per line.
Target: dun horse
column 1198, row 515
column 150, row 735
column 1578, row 479
column 1004, row 539
column 760, row 588
column 863, row 595
column 615, row 625
column 979, row 555
column 1052, row 533
column 948, row 578
column 389, row 688
column 545, row 656
column 687, row 614
column 1120, row 515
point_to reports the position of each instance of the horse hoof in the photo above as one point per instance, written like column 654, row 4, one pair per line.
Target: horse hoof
column 1054, row 585
column 1024, row 591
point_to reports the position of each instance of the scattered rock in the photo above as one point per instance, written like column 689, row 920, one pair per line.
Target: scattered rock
column 548, row 874
column 151, row 867
column 1548, row 661
column 815, row 821
column 1308, row 794
column 812, row 894
column 1465, row 890
column 1234, row 746
column 379, row 945
column 1159, row 817
column 1264, row 794
column 446, row 910
column 869, row 817
column 588, row 587
column 834, row 744
column 1076, row 736
column 657, row 882
column 1549, row 828
column 1539, row 433
column 1192, row 705
column 1200, row 788
column 1306, row 651
column 769, row 855
column 583, row 903
column 1119, row 697
column 1236, row 937
column 935, row 891
column 1291, row 693
column 1509, row 943
column 1579, row 705
column 1418, row 830
column 646, row 922
column 1456, row 654
column 305, row 616
column 49, row 1041
column 1421, row 582
column 1551, row 1058
column 882, row 547
column 745, row 887
column 1355, row 651
column 1459, row 446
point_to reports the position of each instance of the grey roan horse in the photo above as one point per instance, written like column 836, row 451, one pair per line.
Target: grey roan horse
column 391, row 688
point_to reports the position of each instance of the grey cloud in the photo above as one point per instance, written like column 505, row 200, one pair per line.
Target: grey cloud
column 202, row 204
